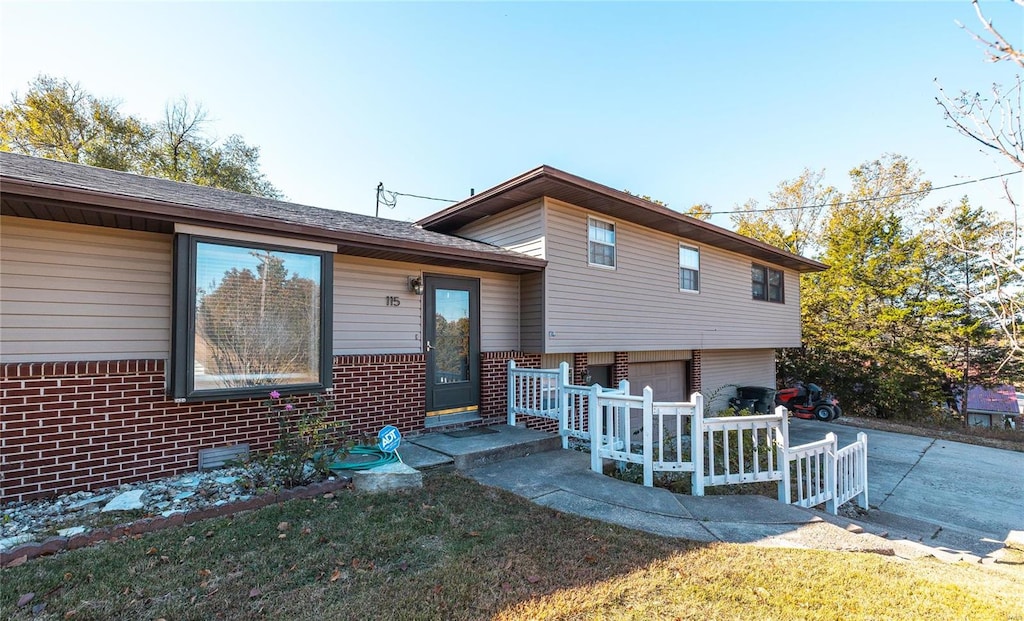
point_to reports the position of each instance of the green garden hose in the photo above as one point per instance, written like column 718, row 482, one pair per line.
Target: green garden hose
column 382, row 459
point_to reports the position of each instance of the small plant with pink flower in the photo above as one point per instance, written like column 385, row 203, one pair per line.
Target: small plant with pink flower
column 308, row 441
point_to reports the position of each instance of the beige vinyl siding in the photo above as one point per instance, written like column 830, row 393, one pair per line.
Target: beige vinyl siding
column 531, row 312
column 659, row 356
column 720, row 369
column 72, row 292
column 520, row 229
column 553, row 361
column 364, row 324
column 638, row 305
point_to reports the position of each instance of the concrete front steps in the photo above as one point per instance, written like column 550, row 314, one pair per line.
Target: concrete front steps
column 476, row 446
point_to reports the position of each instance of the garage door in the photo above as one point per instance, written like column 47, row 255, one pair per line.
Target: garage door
column 667, row 379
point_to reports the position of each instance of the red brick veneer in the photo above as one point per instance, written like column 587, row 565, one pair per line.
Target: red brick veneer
column 81, row 425
column 695, row 372
column 621, row 369
column 494, row 389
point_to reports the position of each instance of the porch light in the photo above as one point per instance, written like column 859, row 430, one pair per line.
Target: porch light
column 416, row 284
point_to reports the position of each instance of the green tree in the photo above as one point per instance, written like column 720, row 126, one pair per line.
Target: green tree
column 875, row 324
column 793, row 219
column 58, row 119
column 701, row 211
column 961, row 237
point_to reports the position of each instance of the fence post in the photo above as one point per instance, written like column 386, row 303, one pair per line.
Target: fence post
column 648, row 436
column 831, row 463
column 782, row 453
column 862, row 465
column 511, row 393
column 563, row 403
column 595, row 430
column 621, row 415
column 697, row 445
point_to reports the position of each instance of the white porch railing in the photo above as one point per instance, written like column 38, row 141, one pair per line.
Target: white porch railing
column 547, row 393
column 742, row 449
column 676, row 437
column 533, row 392
column 821, row 472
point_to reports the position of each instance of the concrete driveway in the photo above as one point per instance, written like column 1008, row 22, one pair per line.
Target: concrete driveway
column 975, row 490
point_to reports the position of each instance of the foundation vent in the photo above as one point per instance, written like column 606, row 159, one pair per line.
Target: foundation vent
column 219, row 457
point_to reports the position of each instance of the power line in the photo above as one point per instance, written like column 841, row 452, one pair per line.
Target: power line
column 429, row 198
column 389, row 199
column 865, row 200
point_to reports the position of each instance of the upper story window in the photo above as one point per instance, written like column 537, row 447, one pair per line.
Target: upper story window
column 689, row 268
column 602, row 242
column 767, row 284
column 249, row 319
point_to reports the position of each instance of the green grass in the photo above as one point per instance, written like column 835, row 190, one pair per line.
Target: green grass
column 456, row 550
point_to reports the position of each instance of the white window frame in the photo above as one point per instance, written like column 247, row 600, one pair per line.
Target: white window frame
column 615, row 259
column 682, row 267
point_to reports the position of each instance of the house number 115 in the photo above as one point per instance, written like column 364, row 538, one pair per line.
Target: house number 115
column 392, row 300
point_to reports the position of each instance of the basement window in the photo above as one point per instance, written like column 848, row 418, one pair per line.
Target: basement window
column 249, row 319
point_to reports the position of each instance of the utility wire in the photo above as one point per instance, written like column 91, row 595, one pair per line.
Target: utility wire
column 429, row 198
column 389, row 199
column 865, row 200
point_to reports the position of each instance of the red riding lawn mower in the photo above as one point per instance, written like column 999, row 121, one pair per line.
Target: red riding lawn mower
column 809, row 402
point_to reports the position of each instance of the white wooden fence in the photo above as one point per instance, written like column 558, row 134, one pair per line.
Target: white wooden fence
column 676, row 437
column 821, row 472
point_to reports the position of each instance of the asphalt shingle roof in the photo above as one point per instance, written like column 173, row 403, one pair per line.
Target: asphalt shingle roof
column 128, row 185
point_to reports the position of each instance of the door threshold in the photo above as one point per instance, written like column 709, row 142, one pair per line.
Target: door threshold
column 441, row 420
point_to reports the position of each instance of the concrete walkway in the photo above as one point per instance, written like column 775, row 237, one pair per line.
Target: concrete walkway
column 563, row 480
column 952, row 495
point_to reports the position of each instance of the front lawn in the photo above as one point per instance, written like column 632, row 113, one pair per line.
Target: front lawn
column 456, row 550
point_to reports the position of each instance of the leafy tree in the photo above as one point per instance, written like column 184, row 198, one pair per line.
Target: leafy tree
column 960, row 237
column 995, row 121
column 701, row 211
column 58, row 119
column 871, row 322
column 793, row 223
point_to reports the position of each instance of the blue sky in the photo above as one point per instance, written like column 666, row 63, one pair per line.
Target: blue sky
column 686, row 102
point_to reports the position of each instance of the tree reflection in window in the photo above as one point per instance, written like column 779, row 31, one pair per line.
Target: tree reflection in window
column 257, row 318
column 451, row 333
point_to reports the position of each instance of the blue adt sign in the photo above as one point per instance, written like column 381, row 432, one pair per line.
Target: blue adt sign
column 389, row 438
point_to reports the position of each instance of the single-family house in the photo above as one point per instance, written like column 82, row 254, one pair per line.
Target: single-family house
column 998, row 407
column 143, row 320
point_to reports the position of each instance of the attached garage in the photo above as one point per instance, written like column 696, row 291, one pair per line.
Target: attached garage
column 666, row 378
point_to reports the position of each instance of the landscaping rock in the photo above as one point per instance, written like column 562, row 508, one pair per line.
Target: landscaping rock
column 387, row 478
column 128, row 501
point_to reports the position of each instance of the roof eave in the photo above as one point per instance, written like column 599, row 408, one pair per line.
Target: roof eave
column 475, row 207
column 348, row 242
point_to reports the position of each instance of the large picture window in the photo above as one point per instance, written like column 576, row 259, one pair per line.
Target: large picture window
column 767, row 284
column 249, row 318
